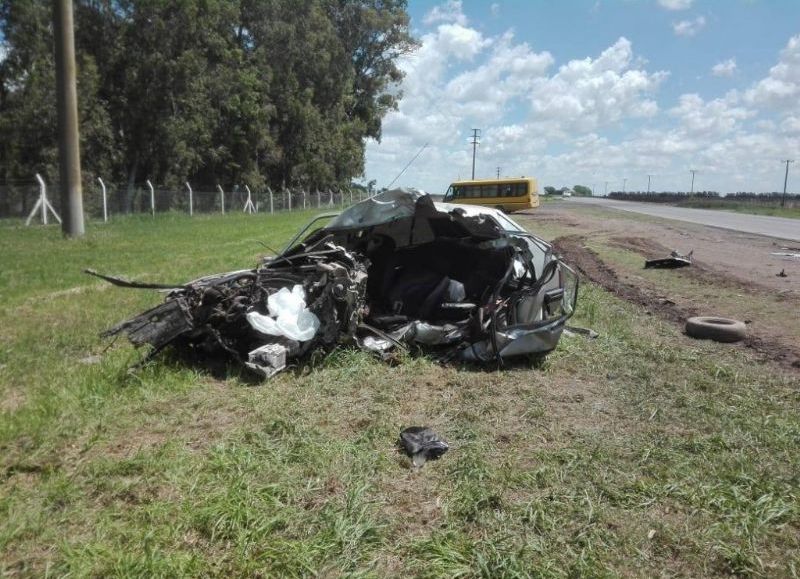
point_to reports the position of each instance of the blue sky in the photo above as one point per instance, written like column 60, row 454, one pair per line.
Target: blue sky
column 584, row 92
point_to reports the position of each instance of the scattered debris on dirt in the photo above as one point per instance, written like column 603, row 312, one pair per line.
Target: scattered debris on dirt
column 674, row 261
column 786, row 254
column 422, row 444
column 716, row 328
column 572, row 248
column 396, row 270
column 782, row 273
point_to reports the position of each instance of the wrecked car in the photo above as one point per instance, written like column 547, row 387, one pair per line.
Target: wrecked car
column 392, row 272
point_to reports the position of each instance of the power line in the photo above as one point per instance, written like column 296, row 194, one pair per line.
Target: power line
column 476, row 137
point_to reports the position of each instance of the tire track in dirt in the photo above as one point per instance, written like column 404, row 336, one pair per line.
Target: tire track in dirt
column 572, row 248
column 699, row 271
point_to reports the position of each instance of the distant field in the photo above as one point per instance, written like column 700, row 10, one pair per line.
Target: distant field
column 774, row 210
column 640, row 453
column 765, row 207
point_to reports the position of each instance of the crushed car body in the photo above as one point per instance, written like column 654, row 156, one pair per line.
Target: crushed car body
column 394, row 271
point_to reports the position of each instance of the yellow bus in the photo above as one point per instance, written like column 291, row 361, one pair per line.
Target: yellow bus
column 508, row 195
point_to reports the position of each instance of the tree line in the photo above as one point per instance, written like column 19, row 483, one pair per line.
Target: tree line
column 675, row 197
column 280, row 93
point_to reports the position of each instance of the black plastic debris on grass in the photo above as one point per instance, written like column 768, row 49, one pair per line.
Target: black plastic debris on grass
column 395, row 271
column 422, row 444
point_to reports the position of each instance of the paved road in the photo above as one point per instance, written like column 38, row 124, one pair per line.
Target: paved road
column 780, row 227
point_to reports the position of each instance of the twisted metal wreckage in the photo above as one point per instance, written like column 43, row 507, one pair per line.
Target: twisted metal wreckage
column 395, row 270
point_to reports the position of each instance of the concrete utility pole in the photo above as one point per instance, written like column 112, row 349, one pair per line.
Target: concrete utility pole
column 605, row 194
column 648, row 183
column 692, row 171
column 785, row 180
column 624, row 183
column 68, row 142
column 476, row 137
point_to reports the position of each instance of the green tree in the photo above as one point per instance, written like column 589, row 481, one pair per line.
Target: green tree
column 257, row 92
column 582, row 191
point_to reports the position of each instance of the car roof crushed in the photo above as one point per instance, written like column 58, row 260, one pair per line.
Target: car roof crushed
column 394, row 272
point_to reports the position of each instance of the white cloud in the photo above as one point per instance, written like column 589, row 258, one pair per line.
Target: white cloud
column 675, row 4
column 450, row 11
column 689, row 27
column 781, row 88
column 590, row 93
column 791, row 125
column 724, row 68
column 425, row 68
column 426, row 109
column 714, row 119
column 445, row 95
column 510, row 72
column 583, row 121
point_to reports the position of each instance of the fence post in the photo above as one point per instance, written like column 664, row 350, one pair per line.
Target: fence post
column 43, row 203
column 105, row 202
column 289, row 194
column 304, row 199
column 221, row 198
column 42, row 198
column 191, row 200
column 152, row 198
column 330, row 204
column 351, row 195
column 319, row 199
column 248, row 206
column 271, row 202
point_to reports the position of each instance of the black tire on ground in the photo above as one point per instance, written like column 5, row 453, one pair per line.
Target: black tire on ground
column 717, row 329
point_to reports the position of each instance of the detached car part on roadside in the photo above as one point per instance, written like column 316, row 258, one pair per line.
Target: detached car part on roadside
column 674, row 261
column 395, row 270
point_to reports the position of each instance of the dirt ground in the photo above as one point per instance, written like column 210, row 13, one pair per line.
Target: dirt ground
column 734, row 274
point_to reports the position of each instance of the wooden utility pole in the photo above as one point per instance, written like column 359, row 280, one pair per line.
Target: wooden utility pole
column 68, row 140
column 476, row 139
column 785, row 181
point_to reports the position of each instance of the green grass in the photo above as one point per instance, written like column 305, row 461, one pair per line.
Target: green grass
column 639, row 453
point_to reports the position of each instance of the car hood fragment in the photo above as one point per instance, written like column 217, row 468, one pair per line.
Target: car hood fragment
column 396, row 271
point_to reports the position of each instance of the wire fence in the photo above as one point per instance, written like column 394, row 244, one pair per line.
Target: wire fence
column 30, row 200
